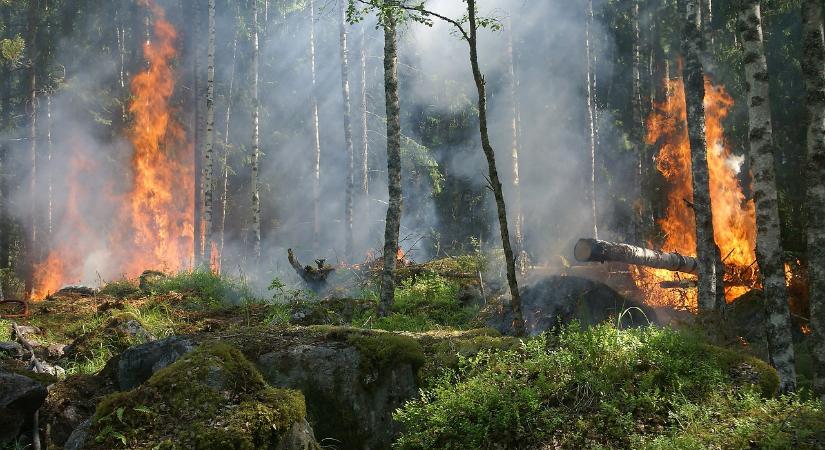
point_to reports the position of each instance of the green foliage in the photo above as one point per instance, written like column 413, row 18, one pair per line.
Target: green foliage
column 203, row 286
column 121, row 289
column 386, row 350
column 212, row 398
column 93, row 349
column 12, row 49
column 600, row 387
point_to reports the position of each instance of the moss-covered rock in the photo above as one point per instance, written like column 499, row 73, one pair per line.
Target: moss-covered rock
column 211, row 398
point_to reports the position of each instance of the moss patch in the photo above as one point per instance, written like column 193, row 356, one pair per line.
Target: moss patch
column 212, row 398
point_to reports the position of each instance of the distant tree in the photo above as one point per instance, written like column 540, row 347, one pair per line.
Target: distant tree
column 256, row 151
column 316, row 134
column 813, row 65
column 209, row 136
column 761, row 154
column 350, row 180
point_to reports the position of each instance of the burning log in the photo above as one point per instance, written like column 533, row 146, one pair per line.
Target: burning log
column 315, row 277
column 603, row 251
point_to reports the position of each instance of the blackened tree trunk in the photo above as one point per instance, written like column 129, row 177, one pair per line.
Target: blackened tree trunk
column 813, row 65
column 350, row 187
column 694, row 79
column 393, row 221
column 761, row 151
column 489, row 153
column 256, row 107
column 209, row 136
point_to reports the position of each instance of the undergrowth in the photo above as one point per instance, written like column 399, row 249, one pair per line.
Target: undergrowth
column 606, row 388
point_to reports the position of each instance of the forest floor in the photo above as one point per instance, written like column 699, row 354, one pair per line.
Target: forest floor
column 197, row 361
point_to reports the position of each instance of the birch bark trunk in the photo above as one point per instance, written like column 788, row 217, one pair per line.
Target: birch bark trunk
column 761, row 151
column 693, row 74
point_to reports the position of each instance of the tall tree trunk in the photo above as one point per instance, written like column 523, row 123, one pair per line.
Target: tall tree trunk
column 197, row 220
column 49, row 183
column 316, row 132
column 5, row 228
column 256, row 106
column 350, row 189
column 472, row 40
column 768, row 242
column 365, row 143
column 209, row 137
column 591, row 115
column 227, row 123
column 515, row 149
column 637, row 131
column 813, row 65
column 393, row 221
column 31, row 250
column 694, row 79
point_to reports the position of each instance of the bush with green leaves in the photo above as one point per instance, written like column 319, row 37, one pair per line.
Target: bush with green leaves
column 204, row 286
column 595, row 388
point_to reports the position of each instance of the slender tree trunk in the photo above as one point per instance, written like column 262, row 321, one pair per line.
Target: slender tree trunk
column 637, row 130
column 768, row 242
column 813, row 65
column 694, row 79
column 256, row 106
column 5, row 228
column 518, row 319
column 49, row 183
column 350, row 189
column 707, row 20
column 365, row 143
column 227, row 123
column 31, row 250
column 316, row 132
column 591, row 113
column 209, row 137
column 515, row 148
column 393, row 221
column 196, row 127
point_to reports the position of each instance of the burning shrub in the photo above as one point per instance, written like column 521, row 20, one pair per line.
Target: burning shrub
column 600, row 387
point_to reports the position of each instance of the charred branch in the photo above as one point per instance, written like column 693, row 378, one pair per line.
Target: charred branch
column 594, row 250
column 314, row 277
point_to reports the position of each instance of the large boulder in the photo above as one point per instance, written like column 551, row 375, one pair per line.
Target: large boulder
column 137, row 364
column 211, row 398
column 20, row 397
column 552, row 300
column 352, row 383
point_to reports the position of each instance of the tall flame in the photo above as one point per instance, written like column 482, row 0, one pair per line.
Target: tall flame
column 160, row 209
column 734, row 217
column 154, row 227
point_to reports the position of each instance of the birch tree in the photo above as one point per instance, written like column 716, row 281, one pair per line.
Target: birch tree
column 761, row 151
column 350, row 181
column 365, row 143
column 591, row 116
column 256, row 106
column 515, row 148
column 813, row 70
column 316, row 134
column 709, row 297
column 209, row 136
column 227, row 123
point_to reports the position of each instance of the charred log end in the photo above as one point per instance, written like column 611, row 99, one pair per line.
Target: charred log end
column 583, row 251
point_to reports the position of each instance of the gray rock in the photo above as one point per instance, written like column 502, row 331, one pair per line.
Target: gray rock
column 136, row 330
column 20, row 397
column 560, row 299
column 12, row 349
column 79, row 436
column 345, row 403
column 299, row 437
column 137, row 364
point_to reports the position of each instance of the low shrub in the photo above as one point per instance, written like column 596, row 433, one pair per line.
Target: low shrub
column 595, row 388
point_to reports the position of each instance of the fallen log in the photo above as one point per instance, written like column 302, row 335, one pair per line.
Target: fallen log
column 594, row 250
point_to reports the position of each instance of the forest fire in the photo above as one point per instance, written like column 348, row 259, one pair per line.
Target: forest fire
column 154, row 226
column 734, row 217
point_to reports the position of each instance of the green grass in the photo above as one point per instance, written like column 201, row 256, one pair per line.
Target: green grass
column 203, row 287
column 594, row 388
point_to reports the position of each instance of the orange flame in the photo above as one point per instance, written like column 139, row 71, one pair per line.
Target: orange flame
column 734, row 217
column 154, row 226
